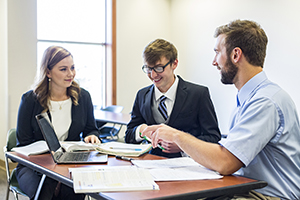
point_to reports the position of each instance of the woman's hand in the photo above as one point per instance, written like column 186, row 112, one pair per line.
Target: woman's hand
column 92, row 139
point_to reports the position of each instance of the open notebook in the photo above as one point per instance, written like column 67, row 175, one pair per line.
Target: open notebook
column 59, row 155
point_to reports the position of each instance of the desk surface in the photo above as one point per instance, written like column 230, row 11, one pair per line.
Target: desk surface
column 168, row 190
column 111, row 117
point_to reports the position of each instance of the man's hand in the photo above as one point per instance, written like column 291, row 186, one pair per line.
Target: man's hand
column 161, row 133
column 148, row 134
column 170, row 147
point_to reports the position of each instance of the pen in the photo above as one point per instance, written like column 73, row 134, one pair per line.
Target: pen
column 124, row 148
column 124, row 158
column 149, row 140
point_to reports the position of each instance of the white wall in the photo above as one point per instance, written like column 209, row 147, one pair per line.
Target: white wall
column 22, row 56
column 191, row 27
column 3, row 75
column 17, row 58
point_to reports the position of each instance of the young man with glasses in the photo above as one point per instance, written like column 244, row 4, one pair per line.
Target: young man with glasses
column 170, row 100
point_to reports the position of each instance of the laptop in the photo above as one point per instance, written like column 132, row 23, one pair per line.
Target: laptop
column 59, row 155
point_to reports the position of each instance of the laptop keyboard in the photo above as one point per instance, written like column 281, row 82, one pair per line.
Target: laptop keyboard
column 78, row 156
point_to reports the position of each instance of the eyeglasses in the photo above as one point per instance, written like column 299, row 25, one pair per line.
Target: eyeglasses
column 157, row 69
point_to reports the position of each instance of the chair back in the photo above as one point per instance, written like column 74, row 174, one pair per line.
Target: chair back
column 110, row 131
column 12, row 182
column 11, row 141
column 113, row 108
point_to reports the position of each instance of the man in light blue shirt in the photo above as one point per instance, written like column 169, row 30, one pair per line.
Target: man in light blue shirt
column 264, row 137
column 266, row 121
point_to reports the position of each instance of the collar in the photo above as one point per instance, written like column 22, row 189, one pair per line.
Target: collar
column 170, row 94
column 250, row 86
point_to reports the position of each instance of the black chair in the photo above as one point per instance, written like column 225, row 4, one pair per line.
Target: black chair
column 109, row 131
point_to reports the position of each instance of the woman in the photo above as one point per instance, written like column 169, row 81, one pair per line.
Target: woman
column 70, row 110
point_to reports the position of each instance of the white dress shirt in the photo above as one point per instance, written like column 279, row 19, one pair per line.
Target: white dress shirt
column 171, row 96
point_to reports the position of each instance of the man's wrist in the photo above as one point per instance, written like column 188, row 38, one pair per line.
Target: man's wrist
column 178, row 136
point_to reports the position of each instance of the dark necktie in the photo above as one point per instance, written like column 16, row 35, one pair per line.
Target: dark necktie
column 162, row 107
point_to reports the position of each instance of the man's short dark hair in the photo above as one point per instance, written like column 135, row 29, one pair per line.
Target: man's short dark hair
column 158, row 48
column 248, row 36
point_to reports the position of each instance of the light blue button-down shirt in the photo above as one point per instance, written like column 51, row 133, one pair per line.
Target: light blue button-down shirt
column 265, row 135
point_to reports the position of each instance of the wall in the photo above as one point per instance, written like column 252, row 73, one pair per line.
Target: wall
column 3, row 75
column 22, row 56
column 191, row 27
column 18, row 58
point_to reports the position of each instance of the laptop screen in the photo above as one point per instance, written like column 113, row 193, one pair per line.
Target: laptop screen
column 48, row 132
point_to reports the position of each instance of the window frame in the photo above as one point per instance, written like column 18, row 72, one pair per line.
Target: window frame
column 110, row 52
column 111, row 55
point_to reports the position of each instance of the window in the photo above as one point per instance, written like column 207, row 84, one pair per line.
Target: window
column 83, row 28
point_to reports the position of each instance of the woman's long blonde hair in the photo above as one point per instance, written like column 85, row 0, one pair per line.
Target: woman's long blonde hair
column 52, row 56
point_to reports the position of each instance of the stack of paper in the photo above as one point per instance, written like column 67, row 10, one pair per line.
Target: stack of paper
column 175, row 169
column 123, row 149
column 112, row 178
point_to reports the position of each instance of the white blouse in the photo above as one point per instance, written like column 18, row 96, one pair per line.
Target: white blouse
column 61, row 117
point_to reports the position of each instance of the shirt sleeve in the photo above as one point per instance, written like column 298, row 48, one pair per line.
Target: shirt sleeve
column 137, row 134
column 252, row 127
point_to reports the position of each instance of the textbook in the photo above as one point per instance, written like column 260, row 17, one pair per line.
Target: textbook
column 40, row 147
column 112, row 178
column 123, row 149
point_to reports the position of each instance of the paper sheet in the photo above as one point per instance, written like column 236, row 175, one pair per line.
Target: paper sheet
column 171, row 162
column 124, row 178
column 175, row 169
column 183, row 173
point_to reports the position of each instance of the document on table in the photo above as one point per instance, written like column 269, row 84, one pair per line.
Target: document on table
column 183, row 173
column 171, row 162
column 112, row 178
column 175, row 169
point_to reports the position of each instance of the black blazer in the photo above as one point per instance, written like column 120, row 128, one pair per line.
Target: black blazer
column 193, row 112
column 28, row 130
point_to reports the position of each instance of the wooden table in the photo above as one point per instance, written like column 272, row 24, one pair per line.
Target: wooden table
column 168, row 189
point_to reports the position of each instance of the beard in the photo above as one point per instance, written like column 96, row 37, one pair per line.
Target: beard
column 230, row 73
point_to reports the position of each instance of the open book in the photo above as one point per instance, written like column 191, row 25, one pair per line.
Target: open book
column 112, row 178
column 40, row 147
column 123, row 149
column 78, row 146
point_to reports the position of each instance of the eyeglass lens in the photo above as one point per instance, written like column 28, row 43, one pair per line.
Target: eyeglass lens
column 157, row 69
